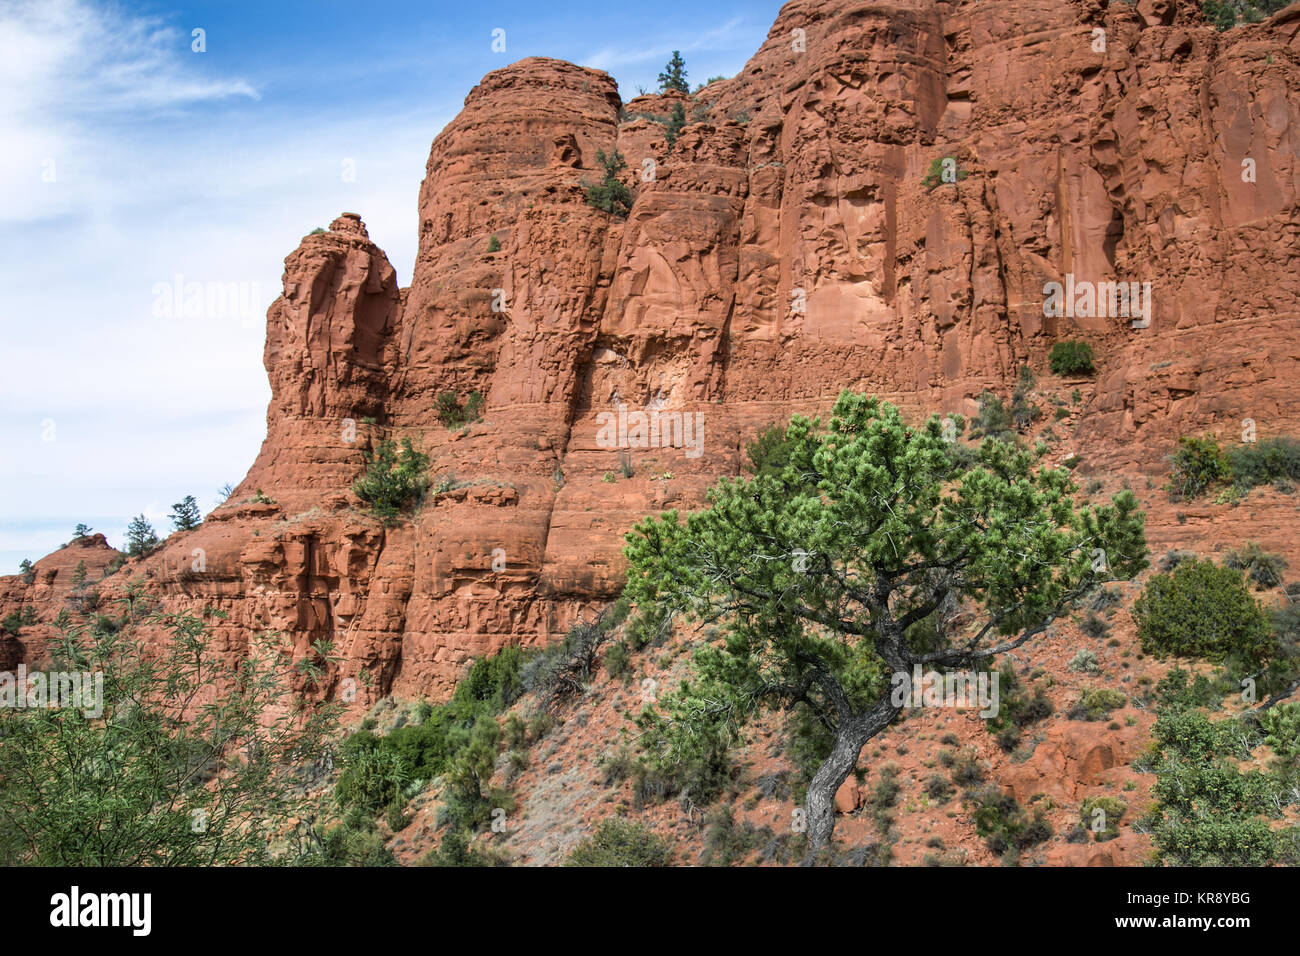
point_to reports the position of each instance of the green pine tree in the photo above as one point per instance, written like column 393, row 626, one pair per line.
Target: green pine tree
column 674, row 75
column 676, row 122
column 185, row 514
column 610, row 195
column 837, row 575
column 140, row 537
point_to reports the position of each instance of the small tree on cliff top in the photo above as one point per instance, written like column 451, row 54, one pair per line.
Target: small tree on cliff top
column 140, row 537
column 824, row 574
column 186, row 515
column 674, row 75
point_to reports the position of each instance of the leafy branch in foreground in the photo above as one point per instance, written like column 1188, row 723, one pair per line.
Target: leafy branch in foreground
column 192, row 761
column 847, row 566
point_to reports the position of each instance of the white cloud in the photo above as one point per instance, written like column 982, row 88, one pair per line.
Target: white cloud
column 159, row 172
column 70, row 68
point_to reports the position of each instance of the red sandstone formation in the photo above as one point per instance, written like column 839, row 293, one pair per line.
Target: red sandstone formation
column 785, row 247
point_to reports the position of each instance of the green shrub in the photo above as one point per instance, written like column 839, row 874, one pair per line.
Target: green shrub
column 610, row 195
column 938, row 788
column 1265, row 462
column 1225, row 14
column 992, row 420
column 1198, row 464
column 1281, row 726
column 618, row 660
column 354, row 842
column 1071, row 358
column 454, row 850
column 393, row 482
column 726, row 842
column 1262, row 567
column 967, row 771
column 618, row 842
column 494, row 244
column 372, row 777
column 1177, row 691
column 1017, row 708
column 1002, row 822
column 455, row 415
column 1101, row 816
column 1085, row 662
column 1207, row 812
column 1097, row 703
column 934, row 176
column 15, row 621
column 1203, row 610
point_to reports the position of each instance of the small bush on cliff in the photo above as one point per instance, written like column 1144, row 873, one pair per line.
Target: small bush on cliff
column 1198, row 463
column 621, row 843
column 993, row 420
column 610, row 195
column 943, row 169
column 1265, row 461
column 1002, row 822
column 1101, row 815
column 1264, row 568
column 1203, row 610
column 494, row 244
column 1071, row 358
column 1097, row 703
column 455, row 851
column 393, row 481
column 15, row 621
column 453, row 414
column 1017, row 708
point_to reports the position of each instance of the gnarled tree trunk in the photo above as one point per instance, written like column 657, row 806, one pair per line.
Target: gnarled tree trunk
column 819, row 804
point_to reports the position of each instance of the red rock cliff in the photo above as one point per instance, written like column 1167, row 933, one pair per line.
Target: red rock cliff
column 786, row 246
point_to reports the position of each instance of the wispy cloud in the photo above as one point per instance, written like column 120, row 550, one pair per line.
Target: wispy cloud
column 611, row 58
column 72, row 70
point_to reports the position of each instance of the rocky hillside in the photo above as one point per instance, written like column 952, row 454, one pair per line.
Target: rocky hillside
column 878, row 201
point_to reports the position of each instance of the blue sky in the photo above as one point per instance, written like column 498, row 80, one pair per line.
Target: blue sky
column 128, row 160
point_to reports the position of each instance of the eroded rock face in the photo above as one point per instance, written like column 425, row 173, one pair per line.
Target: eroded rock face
column 787, row 245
